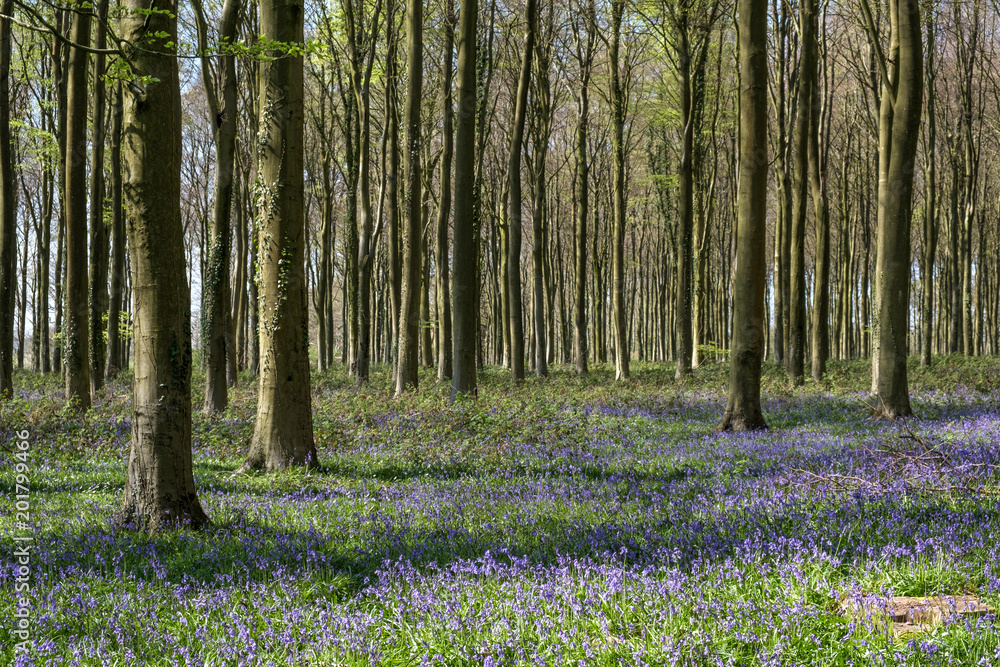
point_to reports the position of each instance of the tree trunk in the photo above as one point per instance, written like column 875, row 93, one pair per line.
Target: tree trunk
column 817, row 178
column 392, row 178
column 216, row 330
column 283, row 434
column 465, row 276
column 893, row 271
column 98, row 227
column 930, row 200
column 782, row 236
column 582, row 193
column 743, row 411
column 76, row 337
column 685, row 210
column 444, row 344
column 803, row 120
column 8, row 220
column 426, row 343
column 159, row 486
column 514, row 197
column 543, row 131
column 621, row 340
column 409, row 316
column 117, row 286
column 363, row 57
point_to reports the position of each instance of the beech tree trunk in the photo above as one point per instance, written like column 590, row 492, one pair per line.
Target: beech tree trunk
column 409, row 316
column 539, row 209
column 685, row 211
column 621, row 339
column 930, row 201
column 584, row 51
column 362, row 55
column 465, row 275
column 444, row 344
column 8, row 221
column 98, row 227
column 283, row 434
column 117, row 282
column 216, row 330
column 514, row 226
column 76, row 338
column 817, row 179
column 392, row 177
column 893, row 271
column 743, row 411
column 159, row 486
column 803, row 121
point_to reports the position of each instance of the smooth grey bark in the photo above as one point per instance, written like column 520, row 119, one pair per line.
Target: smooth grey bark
column 216, row 329
column 930, row 198
column 283, row 433
column 539, row 212
column 98, row 226
column 392, row 177
column 76, row 338
column 803, row 121
column 465, row 274
column 8, row 221
column 743, row 411
column 820, row 347
column 514, row 226
column 409, row 316
column 620, row 333
column 899, row 128
column 896, row 196
column 782, row 184
column 362, row 58
column 159, row 486
column 441, row 259
column 117, row 282
column 584, row 42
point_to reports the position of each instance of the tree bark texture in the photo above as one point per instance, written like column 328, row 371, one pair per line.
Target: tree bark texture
column 283, row 434
column 465, row 274
column 743, row 411
column 159, row 486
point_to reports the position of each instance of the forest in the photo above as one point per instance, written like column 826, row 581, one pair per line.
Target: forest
column 499, row 332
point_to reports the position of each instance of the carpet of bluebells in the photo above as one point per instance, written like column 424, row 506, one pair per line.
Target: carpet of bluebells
column 567, row 521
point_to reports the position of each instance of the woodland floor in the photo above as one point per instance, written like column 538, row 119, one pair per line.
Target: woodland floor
column 567, row 521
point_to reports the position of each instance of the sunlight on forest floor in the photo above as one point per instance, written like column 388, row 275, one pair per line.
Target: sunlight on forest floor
column 566, row 521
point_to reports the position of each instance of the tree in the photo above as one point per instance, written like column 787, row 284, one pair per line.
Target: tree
column 117, row 283
column 514, row 226
column 75, row 330
column 686, row 36
column 409, row 315
column 618, row 104
column 930, row 197
column 542, row 126
column 818, row 141
column 361, row 52
column 743, row 410
column 902, row 96
column 8, row 220
column 584, row 38
column 444, row 344
column 216, row 330
column 465, row 274
column 159, row 485
column 803, row 120
column 283, row 433
column 98, row 226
